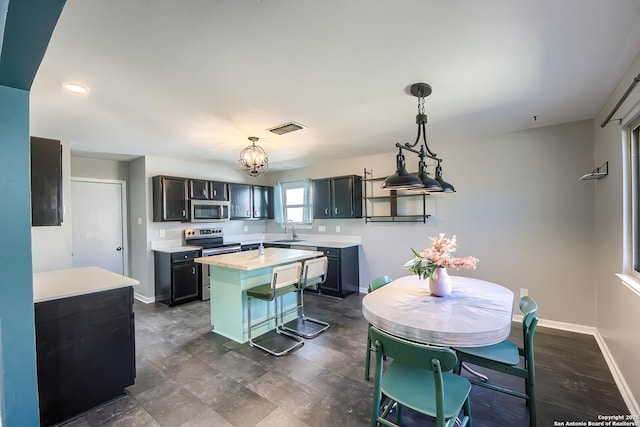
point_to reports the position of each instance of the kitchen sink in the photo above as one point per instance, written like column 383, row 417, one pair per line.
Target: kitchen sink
column 287, row 241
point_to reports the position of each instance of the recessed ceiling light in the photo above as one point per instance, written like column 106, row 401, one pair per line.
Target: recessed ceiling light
column 75, row 88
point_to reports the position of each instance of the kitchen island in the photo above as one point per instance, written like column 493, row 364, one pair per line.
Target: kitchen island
column 232, row 274
column 85, row 340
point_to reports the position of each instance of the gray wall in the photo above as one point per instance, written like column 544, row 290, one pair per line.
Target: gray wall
column 617, row 306
column 520, row 209
column 87, row 167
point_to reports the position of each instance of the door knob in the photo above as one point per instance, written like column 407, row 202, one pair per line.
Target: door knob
column 119, row 248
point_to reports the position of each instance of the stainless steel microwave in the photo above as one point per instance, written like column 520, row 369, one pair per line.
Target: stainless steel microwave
column 209, row 211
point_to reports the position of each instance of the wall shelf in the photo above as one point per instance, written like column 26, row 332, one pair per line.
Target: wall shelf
column 371, row 199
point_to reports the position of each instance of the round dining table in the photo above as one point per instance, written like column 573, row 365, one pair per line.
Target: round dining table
column 475, row 313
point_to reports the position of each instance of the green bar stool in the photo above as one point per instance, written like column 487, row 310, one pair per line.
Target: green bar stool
column 376, row 283
column 314, row 272
column 420, row 378
column 284, row 279
column 505, row 357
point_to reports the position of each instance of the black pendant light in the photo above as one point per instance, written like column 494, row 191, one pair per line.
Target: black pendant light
column 400, row 180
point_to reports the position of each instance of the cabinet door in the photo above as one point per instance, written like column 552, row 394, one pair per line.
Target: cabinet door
column 46, row 182
column 185, row 281
column 169, row 198
column 240, row 197
column 322, row 198
column 331, row 286
column 218, row 190
column 262, row 202
column 198, row 189
column 342, row 197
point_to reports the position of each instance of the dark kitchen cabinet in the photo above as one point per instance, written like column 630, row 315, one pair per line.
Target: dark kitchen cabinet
column 46, row 182
column 262, row 198
column 85, row 351
column 219, row 190
column 199, row 189
column 178, row 277
column 170, row 199
column 251, row 201
column 338, row 197
column 343, row 272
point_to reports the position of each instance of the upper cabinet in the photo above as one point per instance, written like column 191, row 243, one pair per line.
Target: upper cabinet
column 170, row 199
column 251, row 201
column 46, row 182
column 200, row 189
column 337, row 197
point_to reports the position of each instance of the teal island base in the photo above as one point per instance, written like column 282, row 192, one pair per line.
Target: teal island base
column 229, row 302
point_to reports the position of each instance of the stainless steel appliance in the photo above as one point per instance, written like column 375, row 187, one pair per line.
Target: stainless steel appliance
column 211, row 240
column 209, row 211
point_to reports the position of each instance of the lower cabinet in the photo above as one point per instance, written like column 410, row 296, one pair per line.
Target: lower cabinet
column 178, row 278
column 85, row 350
column 343, row 273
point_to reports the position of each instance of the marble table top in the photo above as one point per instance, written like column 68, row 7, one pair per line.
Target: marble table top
column 476, row 313
column 252, row 260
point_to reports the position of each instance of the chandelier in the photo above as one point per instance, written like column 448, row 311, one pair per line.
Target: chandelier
column 403, row 180
column 253, row 159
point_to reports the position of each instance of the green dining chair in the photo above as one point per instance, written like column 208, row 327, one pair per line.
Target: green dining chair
column 376, row 283
column 419, row 378
column 505, row 357
column 284, row 279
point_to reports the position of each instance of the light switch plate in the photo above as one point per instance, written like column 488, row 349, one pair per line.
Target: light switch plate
column 322, row 228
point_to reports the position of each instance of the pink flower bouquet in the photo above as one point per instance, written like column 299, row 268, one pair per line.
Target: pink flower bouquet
column 425, row 263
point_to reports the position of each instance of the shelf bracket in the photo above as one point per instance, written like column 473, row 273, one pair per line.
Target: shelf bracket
column 599, row 172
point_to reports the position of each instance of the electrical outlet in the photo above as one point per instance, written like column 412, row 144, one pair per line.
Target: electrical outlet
column 139, row 221
column 322, row 228
column 246, row 228
column 524, row 292
column 337, row 228
column 162, row 233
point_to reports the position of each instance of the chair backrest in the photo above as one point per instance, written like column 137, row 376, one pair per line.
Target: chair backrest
column 316, row 267
column 529, row 308
column 378, row 282
column 411, row 353
column 285, row 275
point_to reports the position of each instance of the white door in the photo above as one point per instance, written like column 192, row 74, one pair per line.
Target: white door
column 98, row 224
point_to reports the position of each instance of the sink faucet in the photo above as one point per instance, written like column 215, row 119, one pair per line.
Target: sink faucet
column 293, row 229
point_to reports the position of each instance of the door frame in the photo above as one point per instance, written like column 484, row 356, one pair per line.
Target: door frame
column 125, row 218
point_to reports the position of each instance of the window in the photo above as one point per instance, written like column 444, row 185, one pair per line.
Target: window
column 635, row 199
column 295, row 202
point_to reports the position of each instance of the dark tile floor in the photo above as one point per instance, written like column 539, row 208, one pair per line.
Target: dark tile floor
column 187, row 376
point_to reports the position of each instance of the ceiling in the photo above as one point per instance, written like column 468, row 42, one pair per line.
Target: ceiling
column 194, row 79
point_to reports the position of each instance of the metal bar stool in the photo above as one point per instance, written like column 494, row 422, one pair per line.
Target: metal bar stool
column 284, row 279
column 314, row 273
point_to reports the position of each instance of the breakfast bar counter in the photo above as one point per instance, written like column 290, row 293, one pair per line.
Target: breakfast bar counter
column 232, row 274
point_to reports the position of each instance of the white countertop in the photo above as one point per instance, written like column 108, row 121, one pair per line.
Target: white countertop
column 58, row 284
column 252, row 260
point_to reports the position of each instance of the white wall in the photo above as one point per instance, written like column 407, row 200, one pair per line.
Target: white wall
column 617, row 305
column 87, row 167
column 519, row 208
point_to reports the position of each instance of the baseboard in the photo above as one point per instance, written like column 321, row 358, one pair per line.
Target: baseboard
column 623, row 387
column 142, row 298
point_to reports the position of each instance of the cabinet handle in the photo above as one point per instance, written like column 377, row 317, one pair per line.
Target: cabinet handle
column 193, row 270
column 248, row 213
column 119, row 248
column 326, row 211
column 336, row 210
column 255, row 213
column 186, row 256
column 215, row 193
column 184, row 213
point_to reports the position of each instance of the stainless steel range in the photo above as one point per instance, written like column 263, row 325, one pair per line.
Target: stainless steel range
column 211, row 240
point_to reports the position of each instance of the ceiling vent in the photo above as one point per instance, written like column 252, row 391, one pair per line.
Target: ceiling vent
column 286, row 128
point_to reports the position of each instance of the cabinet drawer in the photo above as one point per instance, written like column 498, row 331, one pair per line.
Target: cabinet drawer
column 185, row 256
column 331, row 252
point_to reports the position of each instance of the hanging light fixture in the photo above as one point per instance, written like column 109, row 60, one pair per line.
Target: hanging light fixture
column 253, row 159
column 402, row 180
